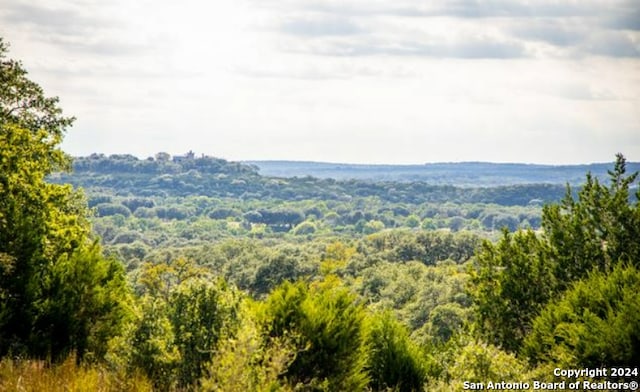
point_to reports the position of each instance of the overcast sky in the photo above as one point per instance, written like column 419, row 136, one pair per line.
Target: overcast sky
column 375, row 81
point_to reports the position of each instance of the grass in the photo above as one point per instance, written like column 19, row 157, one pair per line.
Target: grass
column 40, row 376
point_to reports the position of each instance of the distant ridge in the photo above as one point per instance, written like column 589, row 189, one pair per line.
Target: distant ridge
column 446, row 173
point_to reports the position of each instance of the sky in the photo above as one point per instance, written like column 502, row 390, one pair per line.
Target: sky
column 354, row 81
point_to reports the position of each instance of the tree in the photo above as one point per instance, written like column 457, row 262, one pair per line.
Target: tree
column 248, row 362
column 328, row 327
column 514, row 280
column 201, row 314
column 151, row 345
column 597, row 230
column 22, row 101
column 163, row 156
column 85, row 302
column 57, row 293
column 395, row 363
column 595, row 323
column 510, row 283
column 446, row 320
column 478, row 362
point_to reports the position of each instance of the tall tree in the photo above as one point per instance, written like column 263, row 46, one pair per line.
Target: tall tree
column 44, row 234
column 598, row 229
column 515, row 279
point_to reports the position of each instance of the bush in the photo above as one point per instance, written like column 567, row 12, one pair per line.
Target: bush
column 305, row 228
column 595, row 322
column 478, row 362
column 394, row 361
column 201, row 313
column 328, row 324
column 109, row 209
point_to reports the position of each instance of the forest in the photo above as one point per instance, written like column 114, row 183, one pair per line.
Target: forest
column 193, row 273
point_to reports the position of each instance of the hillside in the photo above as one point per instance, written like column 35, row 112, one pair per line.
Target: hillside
column 467, row 174
column 189, row 176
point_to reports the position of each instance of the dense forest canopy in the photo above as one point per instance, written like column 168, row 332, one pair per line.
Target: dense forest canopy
column 194, row 273
column 164, row 175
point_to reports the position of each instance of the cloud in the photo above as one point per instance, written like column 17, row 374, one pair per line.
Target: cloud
column 555, row 32
column 64, row 20
column 469, row 48
column 107, row 29
column 318, row 26
column 625, row 16
column 516, row 9
column 579, row 38
column 571, row 29
column 308, row 72
column 450, row 8
column 614, row 44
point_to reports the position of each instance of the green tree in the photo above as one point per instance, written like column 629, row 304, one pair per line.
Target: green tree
column 510, row 283
column 597, row 230
column 595, row 323
column 478, row 362
column 249, row 362
column 446, row 320
column 150, row 347
column 395, row 362
column 161, row 279
column 327, row 324
column 201, row 314
column 45, row 247
column 85, row 302
column 513, row 280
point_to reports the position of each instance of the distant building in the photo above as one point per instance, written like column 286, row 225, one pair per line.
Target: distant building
column 187, row 157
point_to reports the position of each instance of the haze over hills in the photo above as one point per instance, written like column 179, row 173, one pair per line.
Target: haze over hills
column 188, row 175
column 458, row 173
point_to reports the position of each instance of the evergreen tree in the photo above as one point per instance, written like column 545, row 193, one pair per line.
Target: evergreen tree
column 595, row 323
column 395, row 362
column 597, row 230
column 510, row 283
column 513, row 280
column 327, row 325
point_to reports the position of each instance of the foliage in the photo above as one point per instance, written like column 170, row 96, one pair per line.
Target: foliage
column 511, row 281
column 151, row 348
column 248, row 362
column 85, row 302
column 185, row 313
column 478, row 362
column 57, row 293
column 201, row 313
column 597, row 230
column 446, row 320
column 596, row 322
column 330, row 338
column 159, row 280
column 395, row 362
column 428, row 247
column 416, row 293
